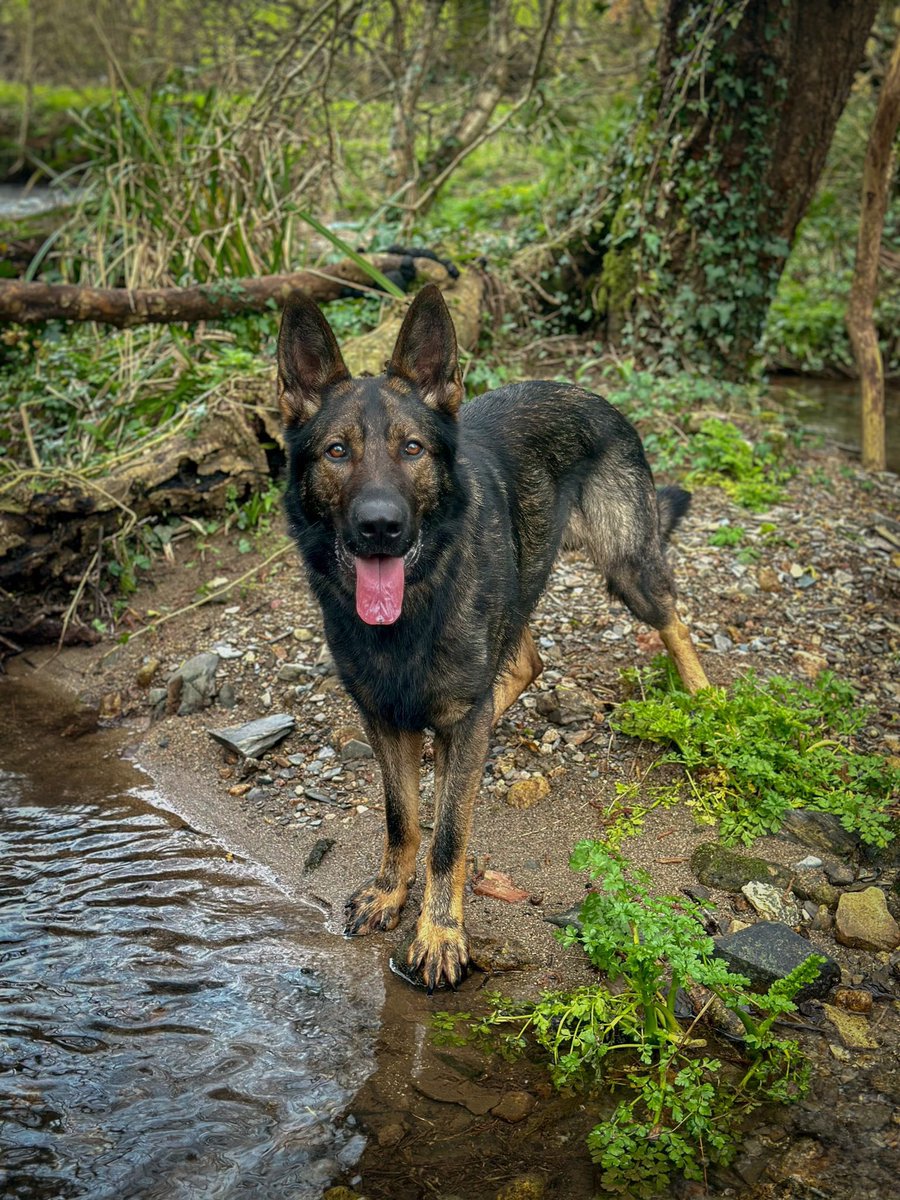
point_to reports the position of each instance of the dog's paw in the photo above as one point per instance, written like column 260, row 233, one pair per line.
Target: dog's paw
column 437, row 955
column 373, row 909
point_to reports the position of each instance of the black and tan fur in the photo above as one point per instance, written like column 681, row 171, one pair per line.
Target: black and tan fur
column 478, row 501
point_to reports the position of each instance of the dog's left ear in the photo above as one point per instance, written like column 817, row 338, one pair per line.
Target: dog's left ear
column 426, row 352
column 309, row 359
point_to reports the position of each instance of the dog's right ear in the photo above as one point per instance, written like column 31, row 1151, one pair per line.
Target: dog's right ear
column 309, row 360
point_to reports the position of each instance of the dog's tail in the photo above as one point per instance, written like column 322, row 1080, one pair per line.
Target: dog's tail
column 673, row 503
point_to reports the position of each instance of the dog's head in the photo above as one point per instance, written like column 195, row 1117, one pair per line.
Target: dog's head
column 371, row 458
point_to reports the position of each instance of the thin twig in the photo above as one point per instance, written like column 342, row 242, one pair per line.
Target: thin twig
column 219, row 592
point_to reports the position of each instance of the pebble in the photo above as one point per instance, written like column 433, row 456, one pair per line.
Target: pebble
column 514, row 1107
column 525, row 793
column 807, row 864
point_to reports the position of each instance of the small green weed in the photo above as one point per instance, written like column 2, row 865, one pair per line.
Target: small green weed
column 751, row 753
column 727, row 535
column 682, row 1112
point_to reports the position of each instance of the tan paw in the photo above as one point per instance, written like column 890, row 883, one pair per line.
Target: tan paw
column 373, row 909
column 438, row 955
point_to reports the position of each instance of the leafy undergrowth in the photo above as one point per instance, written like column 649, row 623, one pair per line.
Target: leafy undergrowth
column 683, row 1108
column 711, row 451
column 764, row 746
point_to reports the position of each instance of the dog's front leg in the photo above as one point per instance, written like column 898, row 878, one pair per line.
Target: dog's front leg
column 376, row 904
column 438, row 951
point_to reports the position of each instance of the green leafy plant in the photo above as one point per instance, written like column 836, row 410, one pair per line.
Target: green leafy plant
column 682, row 1112
column 751, row 753
column 727, row 535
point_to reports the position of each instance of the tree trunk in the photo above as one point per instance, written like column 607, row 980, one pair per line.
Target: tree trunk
column 126, row 307
column 877, row 173
column 682, row 250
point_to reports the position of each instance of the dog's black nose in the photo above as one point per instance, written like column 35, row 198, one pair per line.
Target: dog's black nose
column 379, row 520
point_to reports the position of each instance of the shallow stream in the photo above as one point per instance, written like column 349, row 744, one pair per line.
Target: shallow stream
column 168, row 1025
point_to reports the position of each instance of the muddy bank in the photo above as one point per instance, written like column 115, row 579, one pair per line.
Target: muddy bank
column 820, row 590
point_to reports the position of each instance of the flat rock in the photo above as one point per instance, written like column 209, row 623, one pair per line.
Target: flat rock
column 771, row 903
column 821, row 831
column 566, row 706
column 255, row 737
column 571, row 916
column 839, row 874
column 453, row 1089
column 498, row 886
column 720, row 867
column 863, row 922
column 768, row 951
column 853, row 1030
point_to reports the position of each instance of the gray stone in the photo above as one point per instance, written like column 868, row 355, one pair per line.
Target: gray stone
column 839, row 874
column 572, row 916
column 291, row 672
column 821, row 831
column 768, row 951
column 719, row 867
column 567, row 706
column 807, row 864
column 193, row 686
column 255, row 737
column 355, row 749
column 157, row 698
column 863, row 922
column 226, row 697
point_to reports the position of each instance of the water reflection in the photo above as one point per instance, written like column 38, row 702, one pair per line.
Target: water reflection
column 165, row 1028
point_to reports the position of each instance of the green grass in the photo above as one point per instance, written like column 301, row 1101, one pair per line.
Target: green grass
column 760, row 748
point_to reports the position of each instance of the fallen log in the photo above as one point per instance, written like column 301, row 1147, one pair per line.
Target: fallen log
column 28, row 302
column 56, row 530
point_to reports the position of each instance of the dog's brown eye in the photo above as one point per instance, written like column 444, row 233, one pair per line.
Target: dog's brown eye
column 337, row 450
column 413, row 449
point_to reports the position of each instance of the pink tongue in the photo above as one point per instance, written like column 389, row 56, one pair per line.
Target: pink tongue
column 379, row 589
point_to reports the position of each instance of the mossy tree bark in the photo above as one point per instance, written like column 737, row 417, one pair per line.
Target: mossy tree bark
column 682, row 248
column 877, row 173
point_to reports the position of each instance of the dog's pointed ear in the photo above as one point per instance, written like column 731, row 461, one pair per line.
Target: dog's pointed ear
column 309, row 360
column 426, row 352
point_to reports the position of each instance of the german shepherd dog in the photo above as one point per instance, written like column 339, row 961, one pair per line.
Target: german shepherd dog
column 428, row 531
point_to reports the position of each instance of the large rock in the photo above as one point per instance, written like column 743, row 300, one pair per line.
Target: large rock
column 822, row 831
column 720, row 867
column 769, row 951
column 255, row 737
column 862, row 921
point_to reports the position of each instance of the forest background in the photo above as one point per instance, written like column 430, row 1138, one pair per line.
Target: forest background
column 662, row 196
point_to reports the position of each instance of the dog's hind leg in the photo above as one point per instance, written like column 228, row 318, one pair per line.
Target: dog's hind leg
column 377, row 903
column 625, row 540
column 438, row 952
column 522, row 672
